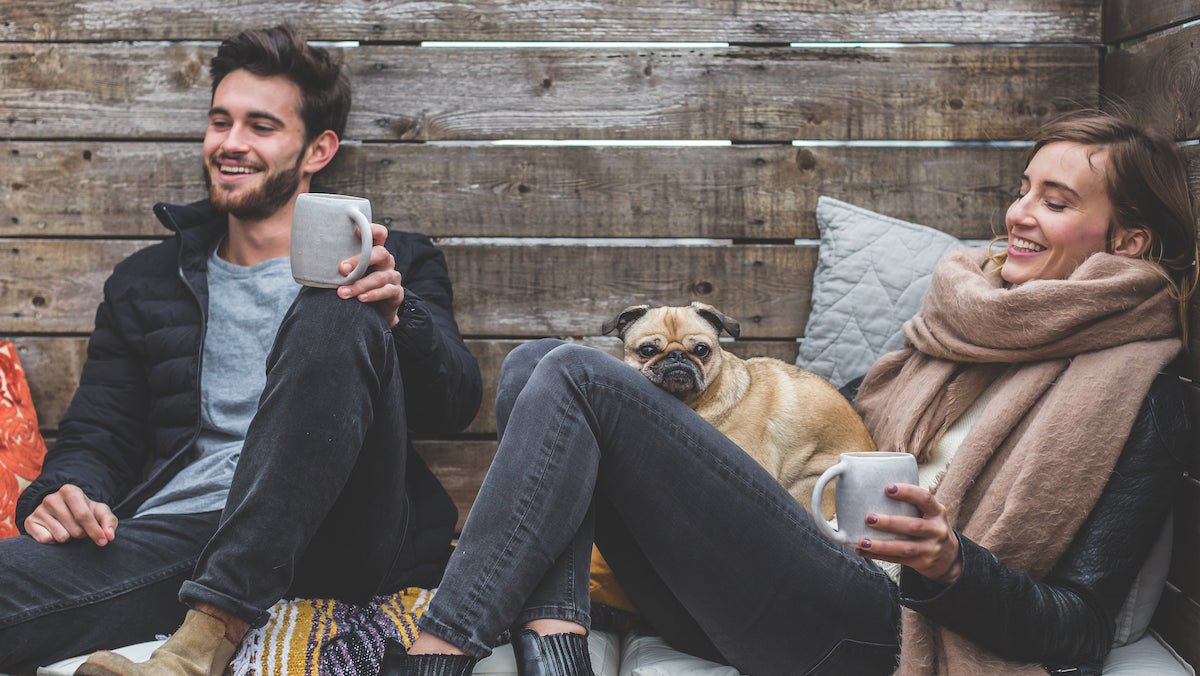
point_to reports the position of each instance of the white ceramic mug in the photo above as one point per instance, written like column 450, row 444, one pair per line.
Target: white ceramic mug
column 862, row 478
column 323, row 236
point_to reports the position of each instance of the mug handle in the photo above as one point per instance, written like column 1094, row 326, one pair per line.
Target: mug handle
column 364, row 257
column 818, row 493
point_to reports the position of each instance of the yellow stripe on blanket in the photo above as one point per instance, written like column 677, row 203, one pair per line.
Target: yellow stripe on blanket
column 326, row 637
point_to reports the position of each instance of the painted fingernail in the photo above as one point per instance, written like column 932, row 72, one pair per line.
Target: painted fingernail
column 871, row 518
column 865, row 544
column 892, row 488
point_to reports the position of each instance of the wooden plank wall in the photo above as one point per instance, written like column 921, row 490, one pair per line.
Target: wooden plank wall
column 102, row 106
column 1152, row 67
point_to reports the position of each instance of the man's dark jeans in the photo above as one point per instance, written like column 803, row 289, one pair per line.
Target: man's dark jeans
column 317, row 508
column 716, row 555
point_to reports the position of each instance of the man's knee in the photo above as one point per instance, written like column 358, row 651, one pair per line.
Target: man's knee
column 322, row 310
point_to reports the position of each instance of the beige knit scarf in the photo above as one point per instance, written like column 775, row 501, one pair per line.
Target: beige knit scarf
column 1072, row 361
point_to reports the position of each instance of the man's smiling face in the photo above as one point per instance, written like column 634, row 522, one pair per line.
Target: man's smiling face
column 254, row 145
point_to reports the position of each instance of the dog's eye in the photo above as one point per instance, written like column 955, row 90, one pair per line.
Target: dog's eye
column 647, row 350
column 701, row 350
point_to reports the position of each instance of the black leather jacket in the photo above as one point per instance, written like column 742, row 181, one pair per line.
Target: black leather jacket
column 1067, row 618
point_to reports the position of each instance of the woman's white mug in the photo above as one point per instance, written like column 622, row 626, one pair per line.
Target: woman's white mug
column 323, row 235
column 861, row 481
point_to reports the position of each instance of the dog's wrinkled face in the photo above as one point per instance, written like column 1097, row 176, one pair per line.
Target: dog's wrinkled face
column 675, row 347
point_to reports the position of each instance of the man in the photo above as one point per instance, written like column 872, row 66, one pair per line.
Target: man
column 181, row 462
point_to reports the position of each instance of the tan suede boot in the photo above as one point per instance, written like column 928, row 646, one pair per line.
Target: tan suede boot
column 199, row 648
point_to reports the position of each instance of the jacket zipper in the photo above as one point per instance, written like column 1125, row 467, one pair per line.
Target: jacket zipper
column 199, row 370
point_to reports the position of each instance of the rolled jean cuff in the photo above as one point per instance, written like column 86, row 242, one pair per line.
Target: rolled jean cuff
column 192, row 592
column 564, row 613
column 465, row 643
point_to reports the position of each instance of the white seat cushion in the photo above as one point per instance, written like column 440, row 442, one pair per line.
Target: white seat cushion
column 651, row 656
column 138, row 653
column 603, row 646
column 1149, row 656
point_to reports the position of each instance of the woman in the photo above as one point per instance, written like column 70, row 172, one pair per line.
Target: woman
column 1036, row 370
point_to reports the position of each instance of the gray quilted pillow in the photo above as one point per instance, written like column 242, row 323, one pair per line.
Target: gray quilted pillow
column 872, row 273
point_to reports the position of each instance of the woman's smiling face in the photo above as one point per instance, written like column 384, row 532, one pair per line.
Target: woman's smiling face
column 1062, row 214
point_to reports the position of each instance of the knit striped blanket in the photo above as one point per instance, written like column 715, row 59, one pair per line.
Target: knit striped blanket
column 324, row 637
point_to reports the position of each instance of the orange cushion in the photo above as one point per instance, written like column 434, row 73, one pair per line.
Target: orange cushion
column 21, row 445
column 604, row 586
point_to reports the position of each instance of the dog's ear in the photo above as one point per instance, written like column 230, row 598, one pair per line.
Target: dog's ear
column 622, row 321
column 717, row 319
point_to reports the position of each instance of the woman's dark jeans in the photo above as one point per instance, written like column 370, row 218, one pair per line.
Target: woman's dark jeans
column 317, row 507
column 717, row 556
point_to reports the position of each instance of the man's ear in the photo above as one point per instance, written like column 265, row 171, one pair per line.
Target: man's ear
column 320, row 152
column 1132, row 242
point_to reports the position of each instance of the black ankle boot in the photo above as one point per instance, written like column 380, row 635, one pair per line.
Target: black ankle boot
column 397, row 662
column 553, row 655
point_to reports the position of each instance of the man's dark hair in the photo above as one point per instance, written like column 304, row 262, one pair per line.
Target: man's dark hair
column 280, row 51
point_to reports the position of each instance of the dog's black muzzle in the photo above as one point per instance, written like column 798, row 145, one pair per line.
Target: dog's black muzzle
column 677, row 374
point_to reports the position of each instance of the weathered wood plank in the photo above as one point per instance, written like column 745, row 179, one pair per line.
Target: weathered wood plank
column 1159, row 80
column 964, row 92
column 1192, row 157
column 1178, row 621
column 681, row 20
column 53, row 365
column 54, row 285
column 1185, row 556
column 1124, row 19
column 560, row 290
column 78, row 188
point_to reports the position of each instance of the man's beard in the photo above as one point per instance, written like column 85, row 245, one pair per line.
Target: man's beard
column 259, row 202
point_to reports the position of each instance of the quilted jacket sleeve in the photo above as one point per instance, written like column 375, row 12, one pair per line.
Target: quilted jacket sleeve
column 102, row 437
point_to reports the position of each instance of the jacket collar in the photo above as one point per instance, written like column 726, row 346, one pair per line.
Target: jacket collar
column 197, row 225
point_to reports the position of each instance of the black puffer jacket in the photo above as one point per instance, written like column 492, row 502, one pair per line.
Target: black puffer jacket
column 137, row 409
column 1067, row 618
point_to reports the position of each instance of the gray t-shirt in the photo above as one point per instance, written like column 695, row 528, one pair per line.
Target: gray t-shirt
column 245, row 307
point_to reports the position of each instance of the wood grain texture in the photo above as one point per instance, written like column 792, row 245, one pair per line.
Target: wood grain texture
column 560, row 290
column 77, row 188
column 1191, row 155
column 54, row 285
column 1178, row 621
column 1124, row 19
column 143, row 90
column 680, row 20
column 53, row 364
column 1159, row 80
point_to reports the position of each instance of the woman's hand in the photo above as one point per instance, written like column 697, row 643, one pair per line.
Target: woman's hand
column 933, row 551
column 380, row 286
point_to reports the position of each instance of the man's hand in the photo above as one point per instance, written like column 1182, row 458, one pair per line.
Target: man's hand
column 933, row 551
column 381, row 285
column 68, row 514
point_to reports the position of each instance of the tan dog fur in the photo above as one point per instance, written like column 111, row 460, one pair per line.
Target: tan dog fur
column 792, row 421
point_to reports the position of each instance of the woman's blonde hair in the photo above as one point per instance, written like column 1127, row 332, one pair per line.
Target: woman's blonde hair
column 1146, row 181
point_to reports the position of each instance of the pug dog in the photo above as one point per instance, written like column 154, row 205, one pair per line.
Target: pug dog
column 792, row 421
